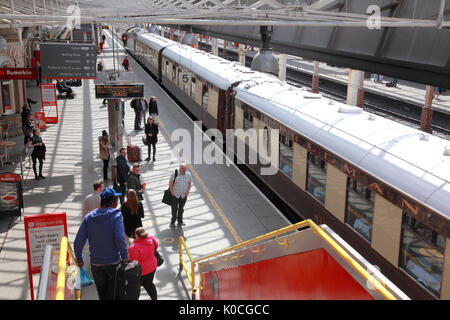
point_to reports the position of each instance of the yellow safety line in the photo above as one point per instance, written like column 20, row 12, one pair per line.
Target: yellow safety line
column 205, row 190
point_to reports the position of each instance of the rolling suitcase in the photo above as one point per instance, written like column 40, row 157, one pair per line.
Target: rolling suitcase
column 128, row 281
column 133, row 152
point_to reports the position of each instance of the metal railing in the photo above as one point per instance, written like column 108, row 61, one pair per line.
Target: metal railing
column 375, row 283
column 66, row 255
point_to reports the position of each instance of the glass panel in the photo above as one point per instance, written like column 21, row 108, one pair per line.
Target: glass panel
column 248, row 121
column 174, row 75
column 286, row 156
column 6, row 99
column 422, row 260
column 359, row 210
column 317, row 177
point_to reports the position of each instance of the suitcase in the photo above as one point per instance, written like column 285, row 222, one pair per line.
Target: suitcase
column 133, row 152
column 128, row 282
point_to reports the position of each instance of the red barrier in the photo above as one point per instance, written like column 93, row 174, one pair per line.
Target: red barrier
column 312, row 275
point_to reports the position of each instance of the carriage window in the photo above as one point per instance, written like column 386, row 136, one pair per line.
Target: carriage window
column 286, row 155
column 167, row 69
column 422, row 254
column 359, row 209
column 204, row 96
column 248, row 121
column 193, row 87
column 317, row 177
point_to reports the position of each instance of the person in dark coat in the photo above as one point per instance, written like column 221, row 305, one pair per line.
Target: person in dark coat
column 122, row 172
column 136, row 104
column 133, row 213
column 153, row 107
column 134, row 180
column 151, row 132
column 27, row 123
column 38, row 153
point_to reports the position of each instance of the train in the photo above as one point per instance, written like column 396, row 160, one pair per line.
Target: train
column 382, row 186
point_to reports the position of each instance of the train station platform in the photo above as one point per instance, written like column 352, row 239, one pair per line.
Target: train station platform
column 224, row 207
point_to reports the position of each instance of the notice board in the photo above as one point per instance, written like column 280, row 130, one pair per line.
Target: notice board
column 117, row 91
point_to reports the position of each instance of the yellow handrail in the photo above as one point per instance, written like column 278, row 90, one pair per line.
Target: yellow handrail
column 191, row 277
column 377, row 285
column 64, row 249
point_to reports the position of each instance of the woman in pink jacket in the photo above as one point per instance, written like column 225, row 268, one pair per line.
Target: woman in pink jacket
column 143, row 251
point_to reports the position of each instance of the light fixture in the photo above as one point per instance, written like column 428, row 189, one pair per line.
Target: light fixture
column 188, row 38
column 154, row 29
column 27, row 34
column 3, row 43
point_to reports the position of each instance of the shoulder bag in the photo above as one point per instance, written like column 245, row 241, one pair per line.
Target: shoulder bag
column 159, row 258
column 167, row 198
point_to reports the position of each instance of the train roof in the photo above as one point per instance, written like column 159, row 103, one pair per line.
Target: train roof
column 414, row 162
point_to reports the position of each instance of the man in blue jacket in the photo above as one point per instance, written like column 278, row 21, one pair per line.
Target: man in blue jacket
column 122, row 172
column 104, row 229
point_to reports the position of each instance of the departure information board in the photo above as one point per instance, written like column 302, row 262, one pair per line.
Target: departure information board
column 113, row 91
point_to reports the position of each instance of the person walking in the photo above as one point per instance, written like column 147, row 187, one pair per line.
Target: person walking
column 134, row 180
column 143, row 250
column 144, row 104
column 132, row 213
column 38, row 153
column 179, row 189
column 122, row 172
column 105, row 151
column 137, row 106
column 27, row 123
column 436, row 93
column 151, row 132
column 93, row 200
column 105, row 231
column 153, row 107
column 126, row 63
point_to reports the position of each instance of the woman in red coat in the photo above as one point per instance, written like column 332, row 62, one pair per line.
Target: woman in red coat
column 143, row 251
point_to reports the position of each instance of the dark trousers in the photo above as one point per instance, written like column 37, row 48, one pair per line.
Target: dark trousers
column 177, row 209
column 147, row 283
column 105, row 168
column 137, row 120
column 109, row 285
column 123, row 191
column 41, row 163
column 151, row 145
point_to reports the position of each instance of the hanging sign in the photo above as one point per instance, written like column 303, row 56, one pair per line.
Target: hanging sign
column 42, row 230
column 18, row 74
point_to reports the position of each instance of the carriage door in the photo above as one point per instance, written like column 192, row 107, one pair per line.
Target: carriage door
column 222, row 112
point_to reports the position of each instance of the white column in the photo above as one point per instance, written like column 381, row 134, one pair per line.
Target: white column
column 282, row 67
column 241, row 54
column 355, row 90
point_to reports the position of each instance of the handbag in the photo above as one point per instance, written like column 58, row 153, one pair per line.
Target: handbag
column 85, row 281
column 167, row 197
column 144, row 141
column 159, row 258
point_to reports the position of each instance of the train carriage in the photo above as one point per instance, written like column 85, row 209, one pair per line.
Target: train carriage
column 382, row 186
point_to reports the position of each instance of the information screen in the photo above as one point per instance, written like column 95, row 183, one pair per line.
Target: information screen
column 112, row 91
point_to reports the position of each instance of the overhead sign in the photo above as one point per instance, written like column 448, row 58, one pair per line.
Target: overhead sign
column 113, row 91
column 18, row 74
column 84, row 33
column 68, row 60
column 42, row 230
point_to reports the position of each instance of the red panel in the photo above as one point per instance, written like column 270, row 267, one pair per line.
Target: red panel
column 312, row 275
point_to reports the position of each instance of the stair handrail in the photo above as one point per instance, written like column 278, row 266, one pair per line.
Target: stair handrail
column 65, row 250
column 191, row 276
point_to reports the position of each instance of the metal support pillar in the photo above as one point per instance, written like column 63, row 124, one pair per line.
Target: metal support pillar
column 355, row 90
column 315, row 79
column 215, row 50
column 115, row 125
column 241, row 54
column 282, row 67
column 427, row 111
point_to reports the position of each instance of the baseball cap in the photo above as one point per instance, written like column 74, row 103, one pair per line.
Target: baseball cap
column 109, row 193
